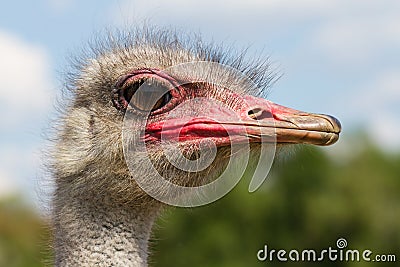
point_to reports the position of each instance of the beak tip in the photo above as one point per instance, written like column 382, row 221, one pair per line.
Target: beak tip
column 337, row 126
column 335, row 129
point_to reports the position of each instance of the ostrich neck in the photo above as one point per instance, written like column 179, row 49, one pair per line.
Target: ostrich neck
column 98, row 232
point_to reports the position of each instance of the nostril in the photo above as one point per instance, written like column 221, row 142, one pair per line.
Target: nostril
column 252, row 113
column 259, row 114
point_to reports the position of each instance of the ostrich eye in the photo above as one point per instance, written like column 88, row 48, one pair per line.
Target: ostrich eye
column 146, row 95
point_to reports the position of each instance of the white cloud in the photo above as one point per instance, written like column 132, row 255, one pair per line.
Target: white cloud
column 384, row 91
column 375, row 106
column 384, row 129
column 25, row 84
column 359, row 39
column 341, row 30
column 14, row 163
column 7, row 186
column 25, row 98
column 379, row 104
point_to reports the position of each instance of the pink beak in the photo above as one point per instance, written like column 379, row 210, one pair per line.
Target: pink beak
column 259, row 120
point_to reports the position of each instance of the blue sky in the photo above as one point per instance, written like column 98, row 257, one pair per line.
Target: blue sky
column 338, row 57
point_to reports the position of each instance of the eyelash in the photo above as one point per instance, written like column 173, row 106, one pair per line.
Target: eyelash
column 127, row 87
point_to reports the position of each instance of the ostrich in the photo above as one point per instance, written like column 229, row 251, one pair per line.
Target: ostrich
column 102, row 217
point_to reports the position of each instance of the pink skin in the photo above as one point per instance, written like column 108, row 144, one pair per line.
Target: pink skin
column 247, row 129
column 255, row 119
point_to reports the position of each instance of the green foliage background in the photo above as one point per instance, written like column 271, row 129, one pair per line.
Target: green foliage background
column 309, row 201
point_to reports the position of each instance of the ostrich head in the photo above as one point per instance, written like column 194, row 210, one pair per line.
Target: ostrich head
column 171, row 96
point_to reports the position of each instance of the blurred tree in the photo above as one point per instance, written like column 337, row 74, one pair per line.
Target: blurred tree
column 24, row 237
column 308, row 203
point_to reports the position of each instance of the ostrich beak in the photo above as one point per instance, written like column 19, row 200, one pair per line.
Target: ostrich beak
column 259, row 120
column 289, row 125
